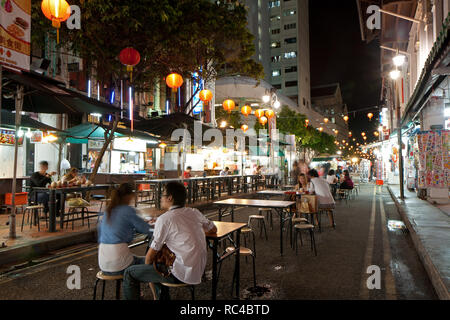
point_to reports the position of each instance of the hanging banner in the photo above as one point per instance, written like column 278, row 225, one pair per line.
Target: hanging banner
column 15, row 34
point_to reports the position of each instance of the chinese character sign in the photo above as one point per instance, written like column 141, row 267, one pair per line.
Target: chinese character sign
column 15, row 33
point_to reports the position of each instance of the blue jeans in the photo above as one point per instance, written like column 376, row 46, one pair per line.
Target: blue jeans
column 42, row 197
column 136, row 260
column 136, row 274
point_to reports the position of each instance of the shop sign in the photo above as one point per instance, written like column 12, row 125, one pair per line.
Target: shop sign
column 95, row 144
column 15, row 34
column 36, row 137
column 128, row 144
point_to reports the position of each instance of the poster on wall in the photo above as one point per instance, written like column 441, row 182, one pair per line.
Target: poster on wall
column 7, row 137
column 36, row 137
column 15, row 33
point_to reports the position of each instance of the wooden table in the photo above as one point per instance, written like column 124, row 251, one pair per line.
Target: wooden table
column 63, row 191
column 225, row 230
column 283, row 208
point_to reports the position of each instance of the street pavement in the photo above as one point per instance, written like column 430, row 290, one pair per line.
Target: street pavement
column 339, row 271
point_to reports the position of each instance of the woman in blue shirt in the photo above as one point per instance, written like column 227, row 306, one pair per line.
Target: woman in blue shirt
column 116, row 230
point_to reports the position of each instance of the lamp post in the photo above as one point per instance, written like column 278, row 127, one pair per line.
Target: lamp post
column 396, row 104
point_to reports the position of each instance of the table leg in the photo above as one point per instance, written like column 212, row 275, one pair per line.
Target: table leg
column 280, row 213
column 237, row 265
column 52, row 209
column 220, row 214
column 214, row 270
column 190, row 191
column 232, row 214
column 135, row 195
column 158, row 196
column 63, row 210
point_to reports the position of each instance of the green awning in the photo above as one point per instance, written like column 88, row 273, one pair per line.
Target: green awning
column 86, row 131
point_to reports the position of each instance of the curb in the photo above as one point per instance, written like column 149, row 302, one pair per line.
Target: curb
column 36, row 249
column 433, row 273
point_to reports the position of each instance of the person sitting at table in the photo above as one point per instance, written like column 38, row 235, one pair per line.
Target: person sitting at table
column 302, row 182
column 224, row 172
column 347, row 183
column 73, row 177
column 182, row 230
column 320, row 187
column 332, row 181
column 40, row 179
column 116, row 230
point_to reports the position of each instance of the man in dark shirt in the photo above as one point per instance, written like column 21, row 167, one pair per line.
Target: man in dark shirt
column 40, row 179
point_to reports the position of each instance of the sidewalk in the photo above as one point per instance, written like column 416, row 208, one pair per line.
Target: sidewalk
column 430, row 231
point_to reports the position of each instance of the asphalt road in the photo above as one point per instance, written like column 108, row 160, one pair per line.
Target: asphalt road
column 361, row 239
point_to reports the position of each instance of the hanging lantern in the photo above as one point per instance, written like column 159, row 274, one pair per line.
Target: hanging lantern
column 345, row 118
column 370, row 115
column 270, row 114
column 259, row 113
column 363, row 134
column 129, row 57
column 263, row 120
column 325, row 120
column 57, row 11
column 174, row 81
column 244, row 127
column 349, row 133
column 205, row 95
column 246, row 110
column 228, row 105
column 306, row 122
column 336, row 131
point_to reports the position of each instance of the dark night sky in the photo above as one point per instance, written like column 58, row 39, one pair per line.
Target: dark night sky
column 338, row 54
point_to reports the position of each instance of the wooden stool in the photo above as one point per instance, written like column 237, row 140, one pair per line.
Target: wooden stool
column 261, row 222
column 298, row 228
column 33, row 211
column 268, row 213
column 243, row 252
column 73, row 210
column 167, row 286
column 103, row 277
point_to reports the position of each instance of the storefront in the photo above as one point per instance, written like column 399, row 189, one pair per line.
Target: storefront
column 128, row 155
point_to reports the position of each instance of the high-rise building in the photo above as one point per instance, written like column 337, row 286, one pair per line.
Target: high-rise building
column 281, row 30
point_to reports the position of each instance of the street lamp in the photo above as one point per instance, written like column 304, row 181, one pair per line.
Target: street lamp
column 276, row 104
column 399, row 60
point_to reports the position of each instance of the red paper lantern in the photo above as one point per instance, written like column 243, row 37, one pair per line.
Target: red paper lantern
column 228, row 105
column 174, row 81
column 259, row 113
column 130, row 57
column 246, row 110
column 270, row 114
column 205, row 95
column 263, row 120
column 57, row 11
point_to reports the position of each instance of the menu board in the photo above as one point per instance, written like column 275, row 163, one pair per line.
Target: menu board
column 7, row 137
column 15, row 33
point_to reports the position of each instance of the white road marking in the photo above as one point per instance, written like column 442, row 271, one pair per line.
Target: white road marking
column 389, row 281
column 364, row 291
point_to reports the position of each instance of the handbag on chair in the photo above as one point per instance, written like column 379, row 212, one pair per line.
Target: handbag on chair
column 163, row 261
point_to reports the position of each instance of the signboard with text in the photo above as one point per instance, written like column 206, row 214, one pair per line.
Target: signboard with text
column 36, row 137
column 15, row 34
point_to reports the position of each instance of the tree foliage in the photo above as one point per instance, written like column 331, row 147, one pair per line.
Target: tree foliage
column 183, row 36
column 308, row 138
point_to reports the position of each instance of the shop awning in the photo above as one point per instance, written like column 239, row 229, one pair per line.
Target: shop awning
column 90, row 131
column 46, row 95
column 9, row 121
column 164, row 126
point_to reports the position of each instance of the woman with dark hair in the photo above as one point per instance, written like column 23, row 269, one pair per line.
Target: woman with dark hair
column 116, row 231
column 347, row 183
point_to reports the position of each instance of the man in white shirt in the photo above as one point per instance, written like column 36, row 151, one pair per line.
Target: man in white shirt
column 321, row 189
column 182, row 230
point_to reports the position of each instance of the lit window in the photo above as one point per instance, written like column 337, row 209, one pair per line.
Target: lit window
column 290, row 55
column 275, row 18
column 290, row 12
column 276, row 58
column 276, row 73
column 275, row 44
column 273, row 4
